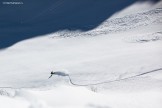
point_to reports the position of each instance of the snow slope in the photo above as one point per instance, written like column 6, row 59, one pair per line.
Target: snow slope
column 117, row 65
column 79, row 97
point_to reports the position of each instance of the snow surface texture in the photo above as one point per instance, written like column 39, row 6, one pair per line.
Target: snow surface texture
column 116, row 65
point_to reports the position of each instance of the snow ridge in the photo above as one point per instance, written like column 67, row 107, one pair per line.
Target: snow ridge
column 127, row 22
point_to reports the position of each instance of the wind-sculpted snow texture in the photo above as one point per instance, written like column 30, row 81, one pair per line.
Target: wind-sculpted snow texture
column 145, row 38
column 88, row 59
column 37, row 18
column 128, row 22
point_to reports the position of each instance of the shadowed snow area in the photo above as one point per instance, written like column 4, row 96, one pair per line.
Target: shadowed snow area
column 116, row 65
column 37, row 18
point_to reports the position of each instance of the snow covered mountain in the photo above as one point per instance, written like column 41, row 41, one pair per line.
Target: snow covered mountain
column 116, row 65
column 32, row 18
column 128, row 22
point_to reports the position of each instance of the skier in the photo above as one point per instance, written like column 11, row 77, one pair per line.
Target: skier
column 51, row 74
column 59, row 73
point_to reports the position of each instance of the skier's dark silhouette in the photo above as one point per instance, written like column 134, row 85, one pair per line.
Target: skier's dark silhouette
column 51, row 74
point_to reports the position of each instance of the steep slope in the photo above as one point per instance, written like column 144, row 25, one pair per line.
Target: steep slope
column 129, row 22
column 120, row 61
column 34, row 19
column 88, row 60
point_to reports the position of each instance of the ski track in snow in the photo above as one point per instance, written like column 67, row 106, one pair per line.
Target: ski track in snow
column 121, row 49
column 136, row 19
column 116, row 79
column 67, row 75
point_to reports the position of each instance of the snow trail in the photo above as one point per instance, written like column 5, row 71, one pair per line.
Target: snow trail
column 114, row 80
column 59, row 73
